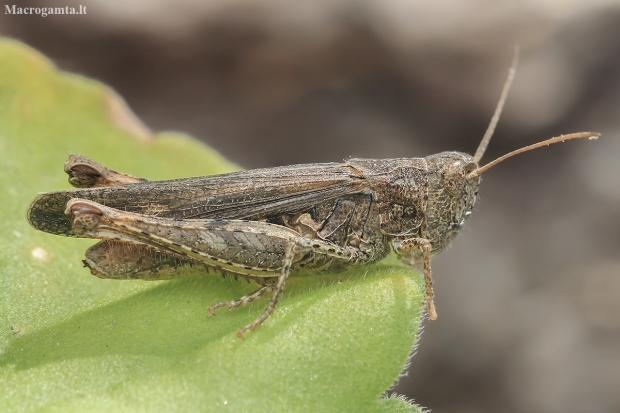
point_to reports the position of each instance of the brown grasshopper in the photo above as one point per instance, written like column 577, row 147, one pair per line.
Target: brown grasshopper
column 264, row 224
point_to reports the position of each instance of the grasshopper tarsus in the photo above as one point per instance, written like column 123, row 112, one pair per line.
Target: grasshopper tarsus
column 241, row 301
column 431, row 310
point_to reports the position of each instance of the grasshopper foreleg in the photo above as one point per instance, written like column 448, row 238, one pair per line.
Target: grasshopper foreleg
column 405, row 249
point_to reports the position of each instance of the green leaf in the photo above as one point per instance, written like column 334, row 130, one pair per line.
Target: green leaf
column 71, row 342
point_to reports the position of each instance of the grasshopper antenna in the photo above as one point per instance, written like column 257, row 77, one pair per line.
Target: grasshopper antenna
column 577, row 135
column 498, row 110
column 500, row 106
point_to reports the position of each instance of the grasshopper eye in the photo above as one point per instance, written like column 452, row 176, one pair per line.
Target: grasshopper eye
column 470, row 171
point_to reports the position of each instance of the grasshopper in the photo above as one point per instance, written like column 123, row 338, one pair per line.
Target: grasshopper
column 265, row 224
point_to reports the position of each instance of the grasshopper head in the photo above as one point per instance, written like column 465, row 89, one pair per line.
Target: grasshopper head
column 452, row 192
column 454, row 178
column 453, row 182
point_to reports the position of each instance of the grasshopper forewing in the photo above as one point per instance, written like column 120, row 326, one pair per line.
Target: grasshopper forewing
column 264, row 224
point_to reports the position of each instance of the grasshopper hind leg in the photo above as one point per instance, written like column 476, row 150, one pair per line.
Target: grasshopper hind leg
column 276, row 287
column 241, row 301
column 192, row 243
column 297, row 246
column 85, row 173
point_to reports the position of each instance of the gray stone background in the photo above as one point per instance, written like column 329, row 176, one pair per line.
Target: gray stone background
column 529, row 293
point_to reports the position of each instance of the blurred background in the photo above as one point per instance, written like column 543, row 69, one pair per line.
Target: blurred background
column 528, row 295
